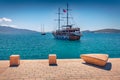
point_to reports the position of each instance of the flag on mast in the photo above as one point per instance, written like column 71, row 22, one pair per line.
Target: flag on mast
column 64, row 10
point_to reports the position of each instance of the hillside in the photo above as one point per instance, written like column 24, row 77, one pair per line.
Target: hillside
column 10, row 30
column 104, row 31
column 108, row 31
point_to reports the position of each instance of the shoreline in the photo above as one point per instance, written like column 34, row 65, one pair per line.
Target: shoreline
column 57, row 59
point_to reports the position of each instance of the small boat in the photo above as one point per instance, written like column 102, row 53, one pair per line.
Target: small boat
column 66, row 32
column 42, row 30
column 97, row 59
column 43, row 33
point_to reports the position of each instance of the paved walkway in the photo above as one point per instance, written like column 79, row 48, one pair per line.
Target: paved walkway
column 69, row 69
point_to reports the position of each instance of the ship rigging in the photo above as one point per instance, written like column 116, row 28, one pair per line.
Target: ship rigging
column 68, row 32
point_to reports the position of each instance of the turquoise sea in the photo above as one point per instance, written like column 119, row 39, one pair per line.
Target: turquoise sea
column 37, row 46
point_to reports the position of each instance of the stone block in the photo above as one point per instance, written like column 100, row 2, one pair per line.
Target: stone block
column 14, row 60
column 97, row 59
column 52, row 59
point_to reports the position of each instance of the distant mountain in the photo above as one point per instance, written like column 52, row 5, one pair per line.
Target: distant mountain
column 10, row 30
column 104, row 31
column 108, row 31
column 86, row 31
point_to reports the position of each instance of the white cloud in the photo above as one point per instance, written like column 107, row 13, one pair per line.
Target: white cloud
column 5, row 19
column 6, row 22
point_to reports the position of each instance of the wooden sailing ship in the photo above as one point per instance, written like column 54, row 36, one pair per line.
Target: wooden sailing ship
column 66, row 32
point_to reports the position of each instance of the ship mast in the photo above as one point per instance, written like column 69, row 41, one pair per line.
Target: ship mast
column 67, row 17
column 58, row 18
column 67, row 14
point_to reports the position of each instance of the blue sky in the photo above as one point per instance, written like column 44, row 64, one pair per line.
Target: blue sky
column 87, row 14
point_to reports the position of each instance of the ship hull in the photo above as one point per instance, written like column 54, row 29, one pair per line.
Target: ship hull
column 66, row 37
column 74, row 37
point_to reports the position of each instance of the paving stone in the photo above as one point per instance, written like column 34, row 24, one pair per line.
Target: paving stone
column 67, row 69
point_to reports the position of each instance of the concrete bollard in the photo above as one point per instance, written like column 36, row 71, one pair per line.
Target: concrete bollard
column 52, row 59
column 14, row 60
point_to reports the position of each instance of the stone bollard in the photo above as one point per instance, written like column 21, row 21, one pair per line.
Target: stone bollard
column 52, row 59
column 14, row 60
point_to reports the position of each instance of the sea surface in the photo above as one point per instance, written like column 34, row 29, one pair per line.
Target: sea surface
column 37, row 46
